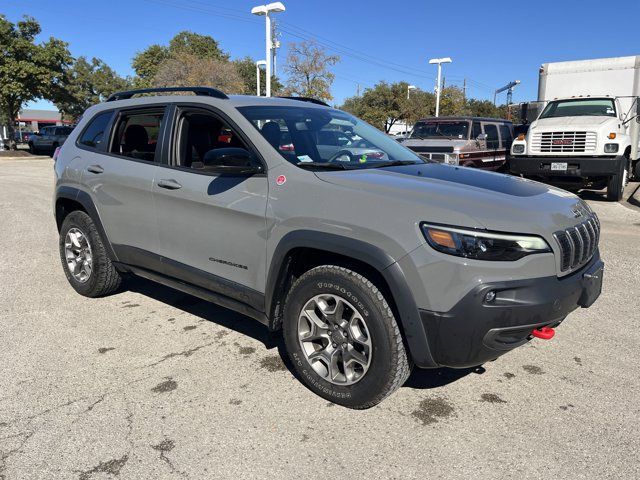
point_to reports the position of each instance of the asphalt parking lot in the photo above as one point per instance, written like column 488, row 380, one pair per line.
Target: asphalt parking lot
column 152, row 383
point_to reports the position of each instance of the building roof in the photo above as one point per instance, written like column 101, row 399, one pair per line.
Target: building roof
column 30, row 115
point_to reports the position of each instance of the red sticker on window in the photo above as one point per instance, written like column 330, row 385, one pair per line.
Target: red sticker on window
column 281, row 180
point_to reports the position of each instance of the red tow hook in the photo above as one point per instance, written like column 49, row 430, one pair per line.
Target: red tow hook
column 544, row 333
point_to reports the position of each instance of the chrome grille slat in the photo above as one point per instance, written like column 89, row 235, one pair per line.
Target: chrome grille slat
column 577, row 142
column 578, row 244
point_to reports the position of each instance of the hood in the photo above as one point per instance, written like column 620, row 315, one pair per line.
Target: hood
column 584, row 121
column 440, row 193
column 435, row 144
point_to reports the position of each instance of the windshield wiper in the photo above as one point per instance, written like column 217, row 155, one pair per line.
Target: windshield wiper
column 323, row 165
column 393, row 163
column 419, row 137
column 445, row 136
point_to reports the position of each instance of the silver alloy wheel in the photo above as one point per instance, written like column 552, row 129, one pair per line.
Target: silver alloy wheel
column 77, row 252
column 334, row 339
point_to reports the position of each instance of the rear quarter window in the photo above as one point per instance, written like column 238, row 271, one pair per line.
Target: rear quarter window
column 93, row 134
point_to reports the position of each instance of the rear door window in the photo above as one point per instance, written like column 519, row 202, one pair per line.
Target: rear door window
column 136, row 134
column 476, row 130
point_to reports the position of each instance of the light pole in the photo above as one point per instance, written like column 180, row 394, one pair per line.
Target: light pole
column 439, row 62
column 266, row 10
column 259, row 63
column 407, row 123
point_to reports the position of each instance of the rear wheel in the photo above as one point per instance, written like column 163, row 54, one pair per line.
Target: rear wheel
column 84, row 257
column 343, row 339
column 617, row 182
column 32, row 149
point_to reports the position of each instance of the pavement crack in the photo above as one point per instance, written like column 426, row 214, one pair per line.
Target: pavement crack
column 111, row 467
column 165, row 447
column 184, row 353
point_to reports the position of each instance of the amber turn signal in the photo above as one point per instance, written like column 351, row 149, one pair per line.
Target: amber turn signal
column 521, row 137
column 612, row 135
column 441, row 238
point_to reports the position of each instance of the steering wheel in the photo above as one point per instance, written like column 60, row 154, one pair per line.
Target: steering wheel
column 342, row 156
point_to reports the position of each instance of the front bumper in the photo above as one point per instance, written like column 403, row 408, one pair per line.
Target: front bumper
column 475, row 331
column 580, row 167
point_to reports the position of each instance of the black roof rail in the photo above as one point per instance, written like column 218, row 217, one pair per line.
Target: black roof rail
column 308, row 99
column 206, row 91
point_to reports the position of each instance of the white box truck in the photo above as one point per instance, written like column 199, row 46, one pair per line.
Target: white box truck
column 587, row 134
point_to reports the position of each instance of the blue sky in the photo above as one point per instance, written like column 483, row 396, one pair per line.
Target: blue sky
column 491, row 42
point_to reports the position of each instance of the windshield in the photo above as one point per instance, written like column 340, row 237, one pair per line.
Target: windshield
column 595, row 107
column 447, row 129
column 312, row 136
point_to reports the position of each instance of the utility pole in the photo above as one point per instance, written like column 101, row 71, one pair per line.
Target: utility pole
column 464, row 89
column 266, row 10
column 357, row 89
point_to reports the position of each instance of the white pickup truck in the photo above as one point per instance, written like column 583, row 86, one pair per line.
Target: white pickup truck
column 583, row 140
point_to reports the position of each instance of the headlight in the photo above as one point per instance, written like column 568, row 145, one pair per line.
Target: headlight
column 610, row 147
column 518, row 148
column 482, row 245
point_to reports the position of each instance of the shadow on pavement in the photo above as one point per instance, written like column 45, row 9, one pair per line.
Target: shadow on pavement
column 419, row 379
column 206, row 310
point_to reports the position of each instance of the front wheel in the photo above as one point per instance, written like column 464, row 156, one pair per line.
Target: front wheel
column 617, row 182
column 343, row 339
column 32, row 149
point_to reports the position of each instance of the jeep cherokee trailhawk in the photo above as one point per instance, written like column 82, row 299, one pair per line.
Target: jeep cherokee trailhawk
column 368, row 258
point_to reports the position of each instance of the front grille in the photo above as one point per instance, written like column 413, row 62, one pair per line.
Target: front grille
column 563, row 142
column 578, row 243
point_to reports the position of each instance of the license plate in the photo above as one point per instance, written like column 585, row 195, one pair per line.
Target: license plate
column 591, row 287
column 559, row 166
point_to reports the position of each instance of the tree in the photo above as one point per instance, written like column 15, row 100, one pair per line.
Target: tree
column 246, row 68
column 85, row 84
column 192, row 70
column 386, row 104
column 308, row 71
column 147, row 63
column 452, row 102
column 28, row 70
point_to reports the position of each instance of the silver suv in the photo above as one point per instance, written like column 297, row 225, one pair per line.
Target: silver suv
column 368, row 263
column 48, row 139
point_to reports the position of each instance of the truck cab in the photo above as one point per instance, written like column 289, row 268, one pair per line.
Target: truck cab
column 577, row 142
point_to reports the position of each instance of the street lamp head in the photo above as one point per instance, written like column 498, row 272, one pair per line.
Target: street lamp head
column 411, row 87
column 261, row 63
column 440, row 60
column 275, row 7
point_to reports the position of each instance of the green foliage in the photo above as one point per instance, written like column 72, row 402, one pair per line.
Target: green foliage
column 386, row 104
column 246, row 68
column 28, row 70
column 308, row 71
column 147, row 63
column 85, row 84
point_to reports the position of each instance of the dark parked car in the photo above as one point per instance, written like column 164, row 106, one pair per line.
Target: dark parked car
column 48, row 139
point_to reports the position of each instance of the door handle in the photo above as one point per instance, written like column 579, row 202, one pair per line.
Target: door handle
column 95, row 169
column 169, row 184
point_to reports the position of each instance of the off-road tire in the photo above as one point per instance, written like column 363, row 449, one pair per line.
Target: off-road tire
column 32, row 149
column 390, row 365
column 104, row 278
column 617, row 182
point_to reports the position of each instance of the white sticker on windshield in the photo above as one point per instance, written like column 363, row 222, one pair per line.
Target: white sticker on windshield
column 305, row 158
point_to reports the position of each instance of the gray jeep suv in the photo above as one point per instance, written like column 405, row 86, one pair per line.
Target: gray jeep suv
column 369, row 264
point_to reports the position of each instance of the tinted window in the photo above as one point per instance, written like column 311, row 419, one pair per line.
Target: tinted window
column 477, row 130
column 492, row 135
column 442, row 128
column 137, row 135
column 505, row 134
column 64, row 130
column 92, row 135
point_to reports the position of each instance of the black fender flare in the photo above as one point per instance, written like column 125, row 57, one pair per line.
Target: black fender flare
column 84, row 199
column 410, row 321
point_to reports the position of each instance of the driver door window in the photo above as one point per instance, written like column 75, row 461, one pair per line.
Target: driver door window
column 200, row 133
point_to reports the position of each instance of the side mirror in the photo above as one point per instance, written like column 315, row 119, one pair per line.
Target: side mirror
column 231, row 161
column 482, row 137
